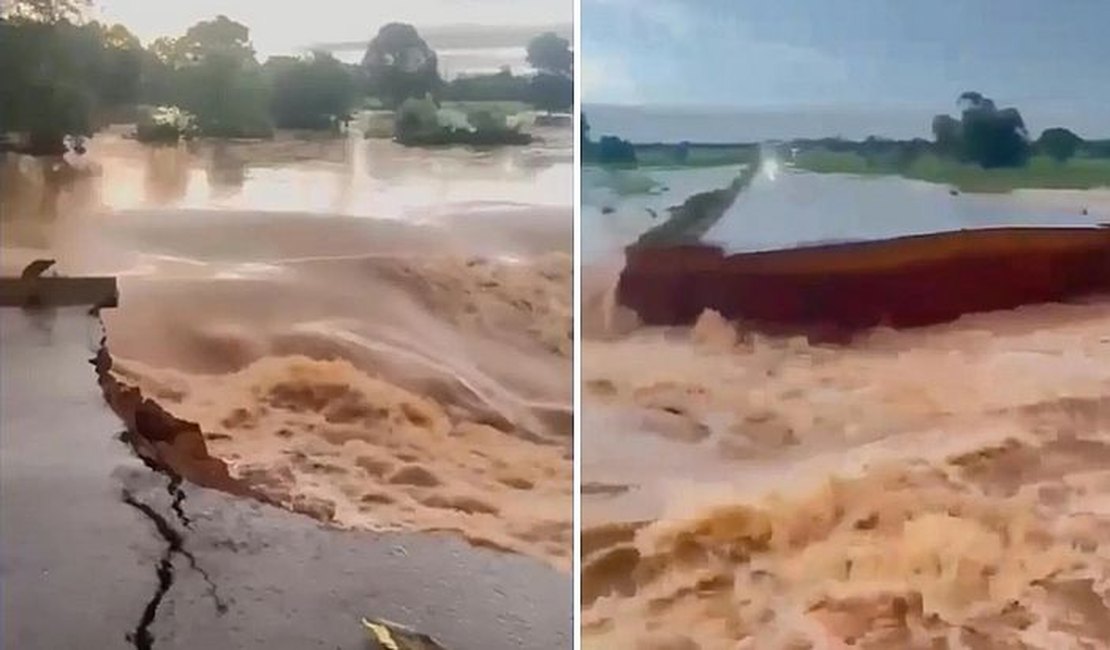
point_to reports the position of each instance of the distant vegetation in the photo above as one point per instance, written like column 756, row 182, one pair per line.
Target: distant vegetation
column 422, row 122
column 164, row 124
column 987, row 150
column 612, row 151
column 61, row 76
column 401, row 70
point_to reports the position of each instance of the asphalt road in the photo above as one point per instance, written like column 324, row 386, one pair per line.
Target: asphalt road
column 94, row 553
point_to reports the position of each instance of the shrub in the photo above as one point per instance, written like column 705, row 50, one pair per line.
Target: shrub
column 164, row 124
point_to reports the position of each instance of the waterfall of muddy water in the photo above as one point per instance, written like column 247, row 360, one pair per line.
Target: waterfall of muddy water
column 940, row 487
column 374, row 335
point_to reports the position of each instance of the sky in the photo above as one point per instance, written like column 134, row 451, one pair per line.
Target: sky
column 284, row 26
column 1044, row 56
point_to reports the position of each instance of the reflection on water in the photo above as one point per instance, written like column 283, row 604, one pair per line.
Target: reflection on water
column 59, row 204
column 349, row 176
column 124, row 205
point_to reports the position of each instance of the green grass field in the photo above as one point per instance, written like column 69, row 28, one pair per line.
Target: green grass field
column 1039, row 172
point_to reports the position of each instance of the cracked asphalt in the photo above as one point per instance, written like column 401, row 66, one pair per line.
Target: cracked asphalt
column 97, row 550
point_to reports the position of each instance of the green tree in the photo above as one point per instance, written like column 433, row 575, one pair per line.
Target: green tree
column 416, row 118
column 948, row 136
column 400, row 65
column 316, row 92
column 121, row 68
column 992, row 137
column 51, row 74
column 551, row 53
column 215, row 77
column 45, row 11
column 501, row 86
column 1059, row 143
column 220, row 38
column 550, row 92
column 164, row 48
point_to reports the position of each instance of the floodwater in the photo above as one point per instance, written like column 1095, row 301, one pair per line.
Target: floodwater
column 784, row 208
column 942, row 487
column 374, row 335
column 611, row 220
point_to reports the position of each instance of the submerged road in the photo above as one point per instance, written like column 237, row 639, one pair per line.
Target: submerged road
column 99, row 551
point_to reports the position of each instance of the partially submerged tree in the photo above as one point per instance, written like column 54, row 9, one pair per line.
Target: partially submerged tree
column 400, row 65
column 216, row 77
column 51, row 80
column 315, row 92
column 501, row 86
column 550, row 92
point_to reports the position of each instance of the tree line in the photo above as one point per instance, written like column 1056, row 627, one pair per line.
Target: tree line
column 64, row 77
column 984, row 135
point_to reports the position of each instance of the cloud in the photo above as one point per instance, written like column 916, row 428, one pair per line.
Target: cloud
column 281, row 26
column 607, row 79
column 671, row 17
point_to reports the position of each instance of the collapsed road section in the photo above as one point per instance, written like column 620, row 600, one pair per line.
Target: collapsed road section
column 101, row 549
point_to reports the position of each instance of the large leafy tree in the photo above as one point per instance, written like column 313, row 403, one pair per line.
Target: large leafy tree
column 992, row 137
column 399, row 65
column 216, row 77
column 984, row 134
column 1059, row 143
column 948, row 135
column 45, row 11
column 219, row 38
column 550, row 53
column 309, row 93
column 57, row 72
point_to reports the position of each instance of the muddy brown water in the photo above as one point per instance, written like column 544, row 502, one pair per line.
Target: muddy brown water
column 377, row 335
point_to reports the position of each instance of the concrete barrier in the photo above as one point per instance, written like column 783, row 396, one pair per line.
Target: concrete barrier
column 34, row 290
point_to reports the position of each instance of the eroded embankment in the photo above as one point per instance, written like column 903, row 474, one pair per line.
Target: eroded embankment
column 436, row 406
column 840, row 288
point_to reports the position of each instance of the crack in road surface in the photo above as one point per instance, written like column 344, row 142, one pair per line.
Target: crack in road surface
column 141, row 637
column 178, row 495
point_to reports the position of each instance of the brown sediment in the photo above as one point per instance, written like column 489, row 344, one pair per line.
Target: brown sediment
column 940, row 487
column 836, row 290
column 358, row 431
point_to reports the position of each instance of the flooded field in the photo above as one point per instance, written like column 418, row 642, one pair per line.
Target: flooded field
column 373, row 335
